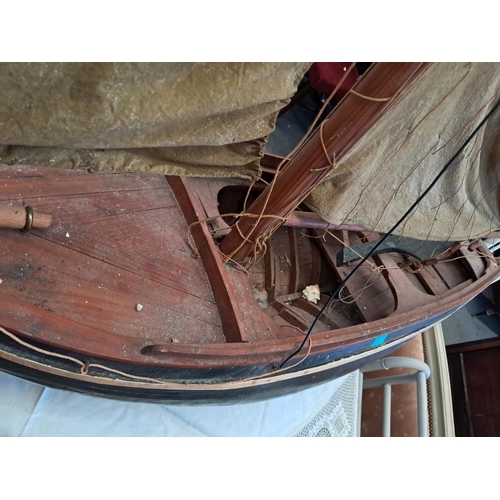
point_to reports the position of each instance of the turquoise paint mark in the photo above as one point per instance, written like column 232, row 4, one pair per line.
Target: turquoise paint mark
column 379, row 340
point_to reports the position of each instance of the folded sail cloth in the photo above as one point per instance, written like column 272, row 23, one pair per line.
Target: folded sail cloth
column 394, row 162
column 198, row 119
column 212, row 120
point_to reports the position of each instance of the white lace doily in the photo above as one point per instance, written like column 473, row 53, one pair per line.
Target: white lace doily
column 339, row 417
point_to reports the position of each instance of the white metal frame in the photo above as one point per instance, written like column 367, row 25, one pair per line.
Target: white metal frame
column 419, row 376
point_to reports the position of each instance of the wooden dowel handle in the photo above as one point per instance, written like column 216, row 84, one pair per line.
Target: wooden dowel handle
column 15, row 217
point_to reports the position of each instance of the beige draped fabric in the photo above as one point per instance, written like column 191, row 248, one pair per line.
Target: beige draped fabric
column 198, row 119
column 392, row 164
column 212, row 120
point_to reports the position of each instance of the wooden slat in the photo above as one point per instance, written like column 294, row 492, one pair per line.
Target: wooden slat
column 269, row 162
column 18, row 171
column 290, row 316
column 14, row 186
column 227, row 303
column 474, row 264
column 451, row 274
column 369, row 292
column 336, row 313
column 407, row 296
column 316, row 263
column 294, row 260
column 431, row 280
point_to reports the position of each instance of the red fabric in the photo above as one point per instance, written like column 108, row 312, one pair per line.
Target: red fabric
column 324, row 77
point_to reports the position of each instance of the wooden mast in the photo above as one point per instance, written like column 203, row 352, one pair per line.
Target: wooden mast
column 358, row 111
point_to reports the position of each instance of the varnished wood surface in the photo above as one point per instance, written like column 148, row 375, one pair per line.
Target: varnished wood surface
column 117, row 240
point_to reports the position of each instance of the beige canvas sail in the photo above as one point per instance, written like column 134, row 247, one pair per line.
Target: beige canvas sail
column 197, row 119
column 395, row 161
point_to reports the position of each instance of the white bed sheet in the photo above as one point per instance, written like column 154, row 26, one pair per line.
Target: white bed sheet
column 27, row 409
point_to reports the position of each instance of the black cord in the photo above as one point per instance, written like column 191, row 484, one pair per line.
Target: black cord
column 409, row 211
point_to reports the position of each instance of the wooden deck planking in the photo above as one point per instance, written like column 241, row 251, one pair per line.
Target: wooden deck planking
column 18, row 171
column 124, row 244
column 21, row 182
column 139, row 231
column 143, row 243
column 19, row 316
column 101, row 295
column 88, row 210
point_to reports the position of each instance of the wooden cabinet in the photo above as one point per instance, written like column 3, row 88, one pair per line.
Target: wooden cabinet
column 475, row 383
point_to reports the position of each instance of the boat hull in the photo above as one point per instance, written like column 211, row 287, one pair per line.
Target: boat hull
column 231, row 385
column 70, row 296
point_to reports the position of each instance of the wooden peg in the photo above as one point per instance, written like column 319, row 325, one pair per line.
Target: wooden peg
column 23, row 218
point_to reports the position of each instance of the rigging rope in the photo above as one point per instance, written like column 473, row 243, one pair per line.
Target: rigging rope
column 381, row 241
column 259, row 244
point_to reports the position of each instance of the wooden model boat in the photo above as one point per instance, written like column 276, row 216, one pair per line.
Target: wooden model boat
column 136, row 290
